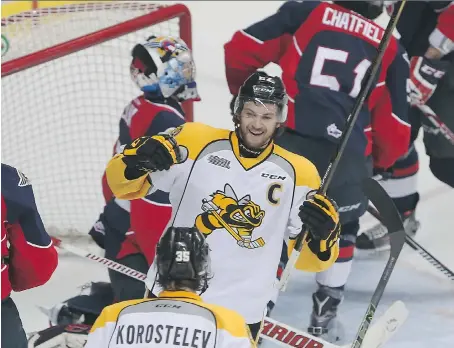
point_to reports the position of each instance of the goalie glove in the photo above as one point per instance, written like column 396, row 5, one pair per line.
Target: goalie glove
column 425, row 74
column 320, row 216
column 64, row 336
column 146, row 154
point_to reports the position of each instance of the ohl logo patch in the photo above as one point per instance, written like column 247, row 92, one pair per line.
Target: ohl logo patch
column 239, row 217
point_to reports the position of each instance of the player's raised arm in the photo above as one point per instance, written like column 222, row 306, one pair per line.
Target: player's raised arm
column 427, row 70
column 128, row 172
column 28, row 256
column 263, row 42
column 32, row 257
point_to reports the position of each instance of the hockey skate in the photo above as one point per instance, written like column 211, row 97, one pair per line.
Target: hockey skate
column 323, row 322
column 83, row 308
column 71, row 321
column 376, row 238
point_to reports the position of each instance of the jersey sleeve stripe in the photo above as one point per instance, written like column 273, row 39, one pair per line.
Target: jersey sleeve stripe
column 251, row 37
column 40, row 246
column 400, row 120
column 297, row 47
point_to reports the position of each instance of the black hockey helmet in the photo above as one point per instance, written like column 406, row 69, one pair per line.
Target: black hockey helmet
column 265, row 89
column 182, row 254
column 370, row 8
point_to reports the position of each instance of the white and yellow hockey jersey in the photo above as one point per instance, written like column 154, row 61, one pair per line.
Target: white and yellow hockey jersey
column 246, row 207
column 174, row 319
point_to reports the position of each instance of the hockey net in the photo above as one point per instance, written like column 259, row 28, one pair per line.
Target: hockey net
column 65, row 83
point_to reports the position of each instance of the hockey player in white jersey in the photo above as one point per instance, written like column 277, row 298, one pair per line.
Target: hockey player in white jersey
column 178, row 316
column 240, row 190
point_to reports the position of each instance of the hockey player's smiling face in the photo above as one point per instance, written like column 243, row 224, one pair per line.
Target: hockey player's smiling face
column 258, row 123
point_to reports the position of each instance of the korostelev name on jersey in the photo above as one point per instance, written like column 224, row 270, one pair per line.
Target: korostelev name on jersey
column 170, row 335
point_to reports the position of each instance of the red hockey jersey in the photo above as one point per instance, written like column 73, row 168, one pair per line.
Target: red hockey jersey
column 28, row 256
column 150, row 215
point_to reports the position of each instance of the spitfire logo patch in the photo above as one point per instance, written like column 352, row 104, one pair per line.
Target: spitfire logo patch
column 239, row 217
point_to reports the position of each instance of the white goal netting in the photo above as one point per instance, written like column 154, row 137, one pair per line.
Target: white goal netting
column 60, row 118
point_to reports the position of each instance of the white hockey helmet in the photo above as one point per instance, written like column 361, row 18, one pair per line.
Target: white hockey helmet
column 164, row 65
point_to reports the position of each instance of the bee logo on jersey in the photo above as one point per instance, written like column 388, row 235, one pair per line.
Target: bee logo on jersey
column 239, row 217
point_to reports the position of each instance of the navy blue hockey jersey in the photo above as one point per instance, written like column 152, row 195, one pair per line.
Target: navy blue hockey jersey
column 325, row 51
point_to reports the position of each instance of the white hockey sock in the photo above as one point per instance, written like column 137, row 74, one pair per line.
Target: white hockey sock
column 336, row 275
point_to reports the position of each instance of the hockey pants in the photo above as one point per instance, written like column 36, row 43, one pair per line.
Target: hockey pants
column 13, row 334
column 125, row 287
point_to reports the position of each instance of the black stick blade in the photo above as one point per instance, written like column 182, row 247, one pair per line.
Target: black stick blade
column 380, row 199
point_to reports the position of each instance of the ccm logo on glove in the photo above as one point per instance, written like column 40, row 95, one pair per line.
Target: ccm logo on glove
column 320, row 216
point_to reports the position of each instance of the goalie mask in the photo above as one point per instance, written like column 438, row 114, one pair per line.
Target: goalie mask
column 182, row 254
column 164, row 66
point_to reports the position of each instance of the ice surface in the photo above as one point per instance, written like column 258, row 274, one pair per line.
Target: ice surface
column 428, row 294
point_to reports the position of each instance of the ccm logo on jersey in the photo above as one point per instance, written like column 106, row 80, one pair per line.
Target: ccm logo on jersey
column 347, row 208
column 432, row 71
column 273, row 176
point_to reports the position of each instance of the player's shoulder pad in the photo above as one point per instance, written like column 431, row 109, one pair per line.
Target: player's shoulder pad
column 296, row 12
column 16, row 187
column 305, row 171
column 228, row 320
column 143, row 110
column 165, row 105
column 110, row 313
column 195, row 136
column 12, row 175
column 298, row 6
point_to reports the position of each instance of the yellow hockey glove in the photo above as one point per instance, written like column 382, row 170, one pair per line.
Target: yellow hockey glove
column 320, row 216
column 155, row 153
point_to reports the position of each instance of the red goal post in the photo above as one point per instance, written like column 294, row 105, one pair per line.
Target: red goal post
column 65, row 83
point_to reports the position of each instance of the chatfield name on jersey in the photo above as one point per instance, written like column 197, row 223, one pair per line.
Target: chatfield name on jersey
column 162, row 334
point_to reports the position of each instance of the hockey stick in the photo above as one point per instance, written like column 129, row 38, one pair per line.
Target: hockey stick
column 99, row 259
column 391, row 219
column 273, row 330
column 388, row 34
column 418, row 248
column 437, row 122
column 379, row 333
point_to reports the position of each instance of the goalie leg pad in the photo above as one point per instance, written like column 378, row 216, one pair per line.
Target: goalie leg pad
column 443, row 169
column 64, row 336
